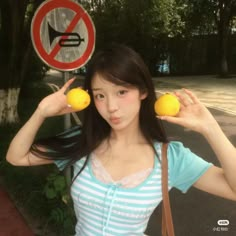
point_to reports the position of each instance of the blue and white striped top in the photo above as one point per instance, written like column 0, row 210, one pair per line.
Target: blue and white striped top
column 111, row 210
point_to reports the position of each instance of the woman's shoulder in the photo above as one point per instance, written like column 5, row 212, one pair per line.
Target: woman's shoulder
column 176, row 151
column 175, row 146
column 185, row 166
column 182, row 158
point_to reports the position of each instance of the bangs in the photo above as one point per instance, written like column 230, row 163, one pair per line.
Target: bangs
column 129, row 83
column 121, row 66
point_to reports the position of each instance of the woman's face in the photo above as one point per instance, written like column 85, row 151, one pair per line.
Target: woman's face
column 118, row 105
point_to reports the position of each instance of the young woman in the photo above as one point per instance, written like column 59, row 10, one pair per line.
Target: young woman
column 116, row 153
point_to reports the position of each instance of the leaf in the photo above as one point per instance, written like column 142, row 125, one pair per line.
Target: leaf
column 68, row 224
column 50, row 192
column 57, row 215
column 59, row 183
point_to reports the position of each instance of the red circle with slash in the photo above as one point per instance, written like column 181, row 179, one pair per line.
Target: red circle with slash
column 49, row 57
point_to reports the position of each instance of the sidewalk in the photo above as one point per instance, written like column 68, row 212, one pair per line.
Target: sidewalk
column 12, row 223
column 214, row 92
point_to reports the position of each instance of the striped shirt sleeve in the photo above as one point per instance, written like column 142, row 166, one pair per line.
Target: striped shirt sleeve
column 185, row 167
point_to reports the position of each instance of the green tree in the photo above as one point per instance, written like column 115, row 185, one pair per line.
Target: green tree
column 144, row 25
column 224, row 12
column 213, row 17
column 16, row 57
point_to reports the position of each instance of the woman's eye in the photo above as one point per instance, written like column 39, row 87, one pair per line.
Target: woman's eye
column 99, row 96
column 122, row 92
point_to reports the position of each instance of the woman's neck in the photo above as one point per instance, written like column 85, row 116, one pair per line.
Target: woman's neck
column 132, row 135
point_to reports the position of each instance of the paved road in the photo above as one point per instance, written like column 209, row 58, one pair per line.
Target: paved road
column 213, row 91
column 196, row 213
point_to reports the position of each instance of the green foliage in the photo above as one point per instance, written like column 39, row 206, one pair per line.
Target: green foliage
column 27, row 185
column 56, row 190
column 199, row 17
column 56, row 186
column 17, row 58
column 148, row 26
column 144, row 25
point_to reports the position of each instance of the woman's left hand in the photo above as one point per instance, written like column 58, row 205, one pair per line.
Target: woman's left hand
column 193, row 114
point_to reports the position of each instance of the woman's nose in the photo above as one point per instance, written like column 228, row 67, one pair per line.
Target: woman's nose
column 112, row 105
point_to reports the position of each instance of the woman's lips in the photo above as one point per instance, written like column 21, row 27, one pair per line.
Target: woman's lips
column 115, row 120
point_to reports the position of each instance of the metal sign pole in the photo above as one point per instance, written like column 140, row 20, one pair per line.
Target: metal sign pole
column 67, row 117
column 67, row 125
column 57, row 26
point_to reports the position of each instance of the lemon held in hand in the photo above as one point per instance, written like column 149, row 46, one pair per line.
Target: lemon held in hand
column 167, row 105
column 78, row 98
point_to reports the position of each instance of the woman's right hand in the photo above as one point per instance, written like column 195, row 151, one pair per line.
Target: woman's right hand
column 55, row 104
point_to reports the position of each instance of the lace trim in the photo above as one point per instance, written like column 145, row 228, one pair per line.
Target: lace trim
column 129, row 181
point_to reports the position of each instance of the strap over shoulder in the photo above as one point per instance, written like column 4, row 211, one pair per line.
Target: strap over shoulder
column 167, row 222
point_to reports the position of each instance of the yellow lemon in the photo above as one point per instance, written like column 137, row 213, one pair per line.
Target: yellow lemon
column 167, row 105
column 78, row 98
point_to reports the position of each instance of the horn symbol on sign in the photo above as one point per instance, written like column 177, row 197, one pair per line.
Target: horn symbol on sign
column 74, row 40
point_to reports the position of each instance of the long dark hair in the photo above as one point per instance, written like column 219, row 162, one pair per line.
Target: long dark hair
column 118, row 64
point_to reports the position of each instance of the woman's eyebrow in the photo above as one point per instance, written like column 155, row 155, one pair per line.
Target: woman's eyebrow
column 95, row 89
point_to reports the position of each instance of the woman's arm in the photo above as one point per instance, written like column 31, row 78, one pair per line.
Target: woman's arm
column 19, row 149
column 18, row 152
column 195, row 116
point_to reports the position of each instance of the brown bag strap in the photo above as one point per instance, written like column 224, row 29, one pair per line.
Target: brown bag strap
column 167, row 223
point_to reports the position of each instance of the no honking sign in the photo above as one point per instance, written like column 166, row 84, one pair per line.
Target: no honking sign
column 63, row 34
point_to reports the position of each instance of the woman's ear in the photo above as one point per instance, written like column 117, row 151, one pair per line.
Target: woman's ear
column 143, row 95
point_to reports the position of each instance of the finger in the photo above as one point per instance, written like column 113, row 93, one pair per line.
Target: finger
column 182, row 107
column 184, row 100
column 67, row 85
column 192, row 96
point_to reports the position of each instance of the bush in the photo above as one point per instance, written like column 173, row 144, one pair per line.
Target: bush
column 32, row 188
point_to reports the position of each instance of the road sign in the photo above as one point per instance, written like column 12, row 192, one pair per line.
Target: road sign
column 63, row 34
